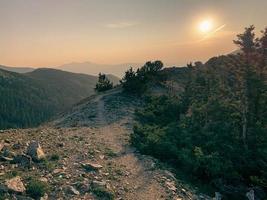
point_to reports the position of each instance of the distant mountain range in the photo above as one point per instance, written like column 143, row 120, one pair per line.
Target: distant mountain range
column 94, row 69
column 17, row 69
column 83, row 67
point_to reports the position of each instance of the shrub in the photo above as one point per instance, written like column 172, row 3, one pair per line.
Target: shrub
column 36, row 189
column 137, row 82
column 102, row 193
column 103, row 83
column 54, row 157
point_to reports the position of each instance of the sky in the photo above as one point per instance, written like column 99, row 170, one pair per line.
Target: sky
column 42, row 33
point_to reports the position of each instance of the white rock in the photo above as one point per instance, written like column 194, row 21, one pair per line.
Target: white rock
column 15, row 184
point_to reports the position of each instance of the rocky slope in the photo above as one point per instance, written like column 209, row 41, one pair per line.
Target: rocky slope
column 87, row 156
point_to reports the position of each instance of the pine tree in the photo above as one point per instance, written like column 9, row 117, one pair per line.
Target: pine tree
column 103, row 83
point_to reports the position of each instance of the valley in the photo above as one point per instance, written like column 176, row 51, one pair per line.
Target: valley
column 28, row 99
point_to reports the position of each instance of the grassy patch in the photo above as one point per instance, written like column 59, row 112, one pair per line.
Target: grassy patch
column 47, row 165
column 54, row 157
column 11, row 174
column 103, row 194
column 110, row 153
column 36, row 189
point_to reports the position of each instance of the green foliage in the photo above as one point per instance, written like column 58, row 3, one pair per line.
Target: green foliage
column 23, row 102
column 103, row 83
column 102, row 193
column 32, row 98
column 207, row 131
column 36, row 189
column 137, row 82
column 54, row 157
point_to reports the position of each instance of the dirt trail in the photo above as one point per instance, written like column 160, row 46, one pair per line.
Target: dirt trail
column 96, row 131
column 141, row 179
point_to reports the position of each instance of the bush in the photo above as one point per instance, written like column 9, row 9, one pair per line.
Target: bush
column 36, row 189
column 103, row 83
column 102, row 193
column 54, row 157
column 137, row 82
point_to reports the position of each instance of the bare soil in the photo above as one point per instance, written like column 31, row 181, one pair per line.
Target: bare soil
column 95, row 131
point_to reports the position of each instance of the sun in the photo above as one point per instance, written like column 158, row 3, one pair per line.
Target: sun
column 205, row 26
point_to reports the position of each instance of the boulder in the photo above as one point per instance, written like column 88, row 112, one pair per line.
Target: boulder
column 23, row 160
column 15, row 184
column 35, row 151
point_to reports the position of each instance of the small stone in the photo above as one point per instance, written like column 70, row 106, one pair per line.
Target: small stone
column 72, row 190
column 57, row 171
column 101, row 157
column 45, row 197
column 15, row 184
column 91, row 166
column 43, row 179
column 99, row 183
column 171, row 186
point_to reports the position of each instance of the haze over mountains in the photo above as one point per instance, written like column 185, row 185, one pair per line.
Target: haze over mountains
column 94, row 68
column 17, row 69
column 82, row 67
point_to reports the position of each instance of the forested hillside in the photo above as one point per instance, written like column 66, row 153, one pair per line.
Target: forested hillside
column 23, row 101
column 211, row 124
column 31, row 98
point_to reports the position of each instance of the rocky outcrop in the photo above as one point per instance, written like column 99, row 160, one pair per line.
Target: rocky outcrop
column 23, row 160
column 35, row 151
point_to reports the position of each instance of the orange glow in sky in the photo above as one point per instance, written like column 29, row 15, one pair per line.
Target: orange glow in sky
column 51, row 33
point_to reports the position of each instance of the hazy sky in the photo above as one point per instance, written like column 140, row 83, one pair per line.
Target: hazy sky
column 54, row 32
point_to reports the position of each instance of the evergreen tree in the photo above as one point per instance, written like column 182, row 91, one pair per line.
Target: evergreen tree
column 103, row 83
